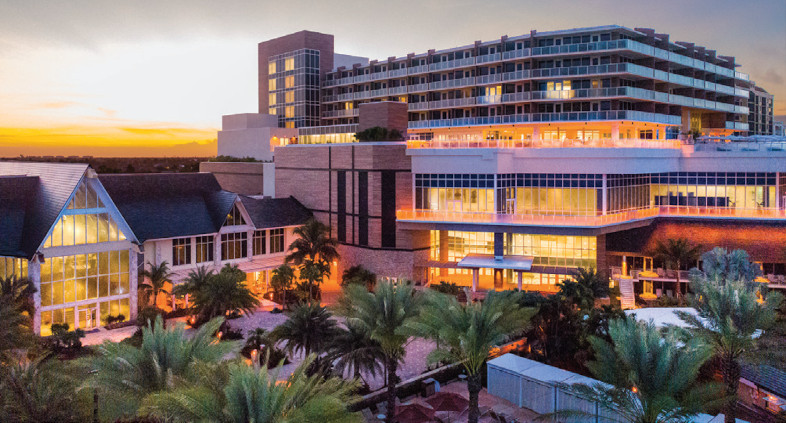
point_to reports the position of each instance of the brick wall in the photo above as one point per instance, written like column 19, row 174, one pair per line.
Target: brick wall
column 764, row 242
column 386, row 114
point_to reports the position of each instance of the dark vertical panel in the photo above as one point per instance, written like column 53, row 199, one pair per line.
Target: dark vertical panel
column 388, row 193
column 341, row 205
column 363, row 208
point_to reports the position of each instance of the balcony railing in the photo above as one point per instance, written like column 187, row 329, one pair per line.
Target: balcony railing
column 556, row 143
column 524, row 219
column 340, row 113
column 439, row 216
column 548, row 117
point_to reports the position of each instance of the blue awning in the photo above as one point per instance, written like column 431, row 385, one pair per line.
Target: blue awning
column 487, row 261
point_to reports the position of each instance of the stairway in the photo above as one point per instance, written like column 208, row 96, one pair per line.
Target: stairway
column 627, row 295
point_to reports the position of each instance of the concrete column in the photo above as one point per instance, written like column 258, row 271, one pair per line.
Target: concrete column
column 520, row 281
column 615, row 131
column 217, row 250
column 475, row 274
column 498, row 279
column 536, row 133
column 133, row 282
column 778, row 204
column 34, row 274
column 604, row 195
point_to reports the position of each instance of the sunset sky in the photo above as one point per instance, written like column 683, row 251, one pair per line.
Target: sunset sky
column 142, row 78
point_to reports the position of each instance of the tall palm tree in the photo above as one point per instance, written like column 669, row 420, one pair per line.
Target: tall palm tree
column 385, row 315
column 353, row 351
column 39, row 391
column 313, row 242
column 729, row 313
column 466, row 333
column 124, row 375
column 221, row 294
column 194, row 280
column 650, row 377
column 237, row 393
column 156, row 278
column 676, row 253
column 309, row 328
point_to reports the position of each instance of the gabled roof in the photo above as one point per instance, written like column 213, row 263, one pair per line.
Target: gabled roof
column 168, row 205
column 39, row 192
column 767, row 377
column 275, row 212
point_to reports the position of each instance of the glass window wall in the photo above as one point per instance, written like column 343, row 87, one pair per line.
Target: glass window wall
column 714, row 189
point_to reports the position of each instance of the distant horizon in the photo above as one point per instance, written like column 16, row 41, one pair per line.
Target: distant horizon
column 147, row 78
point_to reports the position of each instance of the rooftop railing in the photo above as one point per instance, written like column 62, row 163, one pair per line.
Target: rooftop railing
column 556, row 143
column 548, row 117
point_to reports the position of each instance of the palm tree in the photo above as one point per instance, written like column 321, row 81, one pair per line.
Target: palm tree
column 196, row 278
column 313, row 242
column 38, row 391
column 237, row 393
column 584, row 287
column 384, row 314
column 16, row 330
column 19, row 291
column 309, row 328
column 157, row 277
column 676, row 253
column 466, row 333
column 353, row 351
column 124, row 375
column 359, row 275
column 221, row 294
column 729, row 313
column 281, row 281
column 650, row 377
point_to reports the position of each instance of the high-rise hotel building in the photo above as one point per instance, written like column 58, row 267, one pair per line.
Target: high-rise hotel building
column 530, row 156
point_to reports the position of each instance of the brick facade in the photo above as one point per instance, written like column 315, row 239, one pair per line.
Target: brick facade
column 386, row 114
column 356, row 189
column 764, row 242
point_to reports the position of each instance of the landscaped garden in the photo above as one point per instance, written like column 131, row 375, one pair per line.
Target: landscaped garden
column 369, row 356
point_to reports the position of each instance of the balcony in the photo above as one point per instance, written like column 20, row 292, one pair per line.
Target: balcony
column 548, row 117
column 599, row 221
column 436, row 216
column 451, row 83
column 557, row 143
column 340, row 113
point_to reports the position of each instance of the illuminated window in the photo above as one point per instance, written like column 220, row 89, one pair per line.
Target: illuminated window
column 289, row 124
column 289, row 111
column 271, row 84
column 271, row 68
column 78, row 229
column 204, row 249
column 83, row 277
column 10, row 266
column 271, row 99
column 276, row 241
column 181, row 251
column 289, row 82
column 234, row 217
column 290, row 97
column 259, row 242
column 234, row 245
column 272, row 111
column 289, row 64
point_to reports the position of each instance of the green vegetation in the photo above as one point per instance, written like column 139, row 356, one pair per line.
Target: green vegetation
column 652, row 376
column 218, row 294
column 231, row 159
column 16, row 330
column 466, row 333
column 675, row 254
column 385, row 315
column 359, row 275
column 379, row 133
column 313, row 251
column 156, row 278
column 309, row 329
column 729, row 313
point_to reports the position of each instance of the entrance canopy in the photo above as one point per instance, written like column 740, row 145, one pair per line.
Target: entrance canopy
column 487, row 261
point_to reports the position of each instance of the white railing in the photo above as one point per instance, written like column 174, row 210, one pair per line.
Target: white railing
column 556, row 143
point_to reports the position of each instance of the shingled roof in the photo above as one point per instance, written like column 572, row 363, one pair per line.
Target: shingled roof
column 275, row 212
column 767, row 377
column 168, row 205
column 31, row 197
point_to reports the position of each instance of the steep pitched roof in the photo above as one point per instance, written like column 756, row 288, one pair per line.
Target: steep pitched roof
column 275, row 212
column 168, row 205
column 46, row 187
column 767, row 377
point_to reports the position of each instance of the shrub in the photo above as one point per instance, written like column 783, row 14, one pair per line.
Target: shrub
column 148, row 315
column 379, row 133
column 447, row 288
column 63, row 340
column 110, row 320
